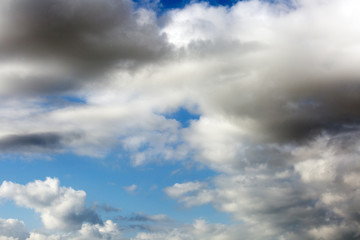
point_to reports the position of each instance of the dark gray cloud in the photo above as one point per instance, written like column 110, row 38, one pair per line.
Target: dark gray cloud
column 314, row 108
column 294, row 111
column 31, row 142
column 105, row 207
column 37, row 142
column 82, row 39
column 89, row 33
column 141, row 217
column 85, row 216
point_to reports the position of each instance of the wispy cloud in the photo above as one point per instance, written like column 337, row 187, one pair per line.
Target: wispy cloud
column 131, row 189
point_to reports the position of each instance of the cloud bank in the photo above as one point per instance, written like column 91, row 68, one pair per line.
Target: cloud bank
column 276, row 86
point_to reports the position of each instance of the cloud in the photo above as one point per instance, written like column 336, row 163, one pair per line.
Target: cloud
column 59, row 207
column 131, row 188
column 80, row 131
column 200, row 229
column 108, row 230
column 11, row 229
column 106, row 208
column 182, row 189
column 254, row 70
column 144, row 222
column 31, row 142
column 297, row 100
column 141, row 217
column 313, row 197
column 275, row 84
column 42, row 195
column 245, row 46
column 73, row 46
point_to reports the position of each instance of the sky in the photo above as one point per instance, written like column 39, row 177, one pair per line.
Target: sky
column 179, row 120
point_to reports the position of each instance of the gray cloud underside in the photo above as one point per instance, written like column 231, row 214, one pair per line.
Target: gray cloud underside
column 83, row 39
column 36, row 142
column 23, row 142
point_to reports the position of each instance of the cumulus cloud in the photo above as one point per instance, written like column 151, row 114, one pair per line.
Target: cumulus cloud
column 200, row 229
column 11, row 229
column 42, row 196
column 109, row 230
column 314, row 197
column 59, row 207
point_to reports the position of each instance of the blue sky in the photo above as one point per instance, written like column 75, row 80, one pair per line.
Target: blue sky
column 186, row 120
column 105, row 180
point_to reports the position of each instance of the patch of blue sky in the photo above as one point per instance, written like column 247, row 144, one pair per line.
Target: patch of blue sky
column 8, row 210
column 104, row 184
column 16, row 170
column 74, row 99
column 163, row 6
column 183, row 116
column 171, row 4
column 52, row 102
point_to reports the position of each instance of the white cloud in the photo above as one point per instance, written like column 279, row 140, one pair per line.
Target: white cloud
column 200, row 229
column 179, row 189
column 60, row 207
column 109, row 230
column 12, row 229
column 131, row 188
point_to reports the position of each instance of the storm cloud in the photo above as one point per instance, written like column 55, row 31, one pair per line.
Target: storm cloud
column 78, row 41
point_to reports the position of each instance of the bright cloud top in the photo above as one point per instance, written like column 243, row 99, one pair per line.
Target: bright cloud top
column 60, row 207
